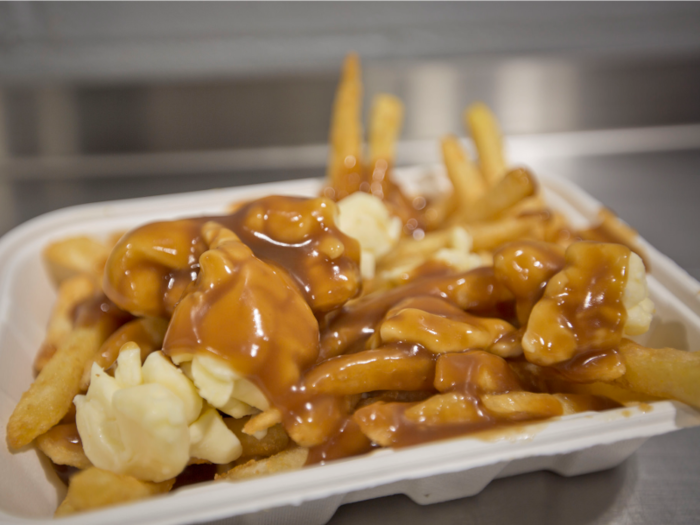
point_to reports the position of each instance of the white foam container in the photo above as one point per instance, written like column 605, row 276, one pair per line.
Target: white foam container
column 430, row 473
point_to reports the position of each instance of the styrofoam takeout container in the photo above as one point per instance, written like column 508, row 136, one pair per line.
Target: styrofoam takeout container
column 430, row 473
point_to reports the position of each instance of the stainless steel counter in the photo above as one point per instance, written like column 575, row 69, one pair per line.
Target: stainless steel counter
column 652, row 183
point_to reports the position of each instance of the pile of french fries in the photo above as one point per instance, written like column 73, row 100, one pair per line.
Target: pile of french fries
column 490, row 204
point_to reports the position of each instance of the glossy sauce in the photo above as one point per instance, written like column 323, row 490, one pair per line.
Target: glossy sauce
column 67, row 433
column 246, row 312
column 400, row 366
column 99, row 309
column 147, row 333
column 440, row 326
column 346, row 442
column 150, row 268
column 477, row 290
column 66, row 437
column 582, row 310
column 268, row 289
column 460, row 378
column 525, row 267
column 604, row 233
column 376, row 180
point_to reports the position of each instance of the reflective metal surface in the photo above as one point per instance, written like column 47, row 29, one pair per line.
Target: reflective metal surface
column 100, row 41
column 549, row 94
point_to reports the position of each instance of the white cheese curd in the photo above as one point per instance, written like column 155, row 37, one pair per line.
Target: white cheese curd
column 142, row 421
column 459, row 252
column 222, row 387
column 546, row 343
column 366, row 218
column 211, row 439
column 640, row 308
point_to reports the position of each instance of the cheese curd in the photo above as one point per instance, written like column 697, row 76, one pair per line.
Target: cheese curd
column 221, row 386
column 640, row 308
column 145, row 421
column 459, row 253
column 367, row 219
column 600, row 295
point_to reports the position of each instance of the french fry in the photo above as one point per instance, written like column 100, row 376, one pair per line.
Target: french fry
column 544, row 379
column 391, row 396
column 374, row 421
column 519, row 406
column 436, row 212
column 62, row 446
column 95, row 488
column 490, row 235
column 487, row 373
column 448, row 408
column 407, row 249
column 379, row 369
column 440, row 334
column 146, row 332
column 575, row 403
column 385, row 123
column 468, row 184
column 71, row 292
column 50, row 396
column 275, row 440
column 527, row 206
column 345, row 148
column 262, row 421
column 661, row 372
column 292, row 459
column 489, row 144
column 612, row 229
column 74, row 256
column 556, row 230
column 514, row 186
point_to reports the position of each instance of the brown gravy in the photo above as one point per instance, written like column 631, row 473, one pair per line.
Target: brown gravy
column 270, row 290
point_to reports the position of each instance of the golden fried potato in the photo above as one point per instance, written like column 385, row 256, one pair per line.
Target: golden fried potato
column 444, row 409
column 409, row 249
column 345, row 151
column 441, row 334
column 262, row 421
column 384, row 127
column 489, row 144
column 575, row 403
column 292, row 459
column 612, row 229
column 62, row 446
column 94, row 488
column 74, row 256
column 384, row 368
column 518, row 406
column 490, row 235
column 71, row 292
column 545, row 379
column 662, row 372
column 527, row 206
column 391, row 396
column 476, row 371
column 514, row 186
column 50, row 396
column 468, row 184
column 146, row 332
column 275, row 440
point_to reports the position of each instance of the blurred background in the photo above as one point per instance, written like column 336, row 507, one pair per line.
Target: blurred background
column 103, row 101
